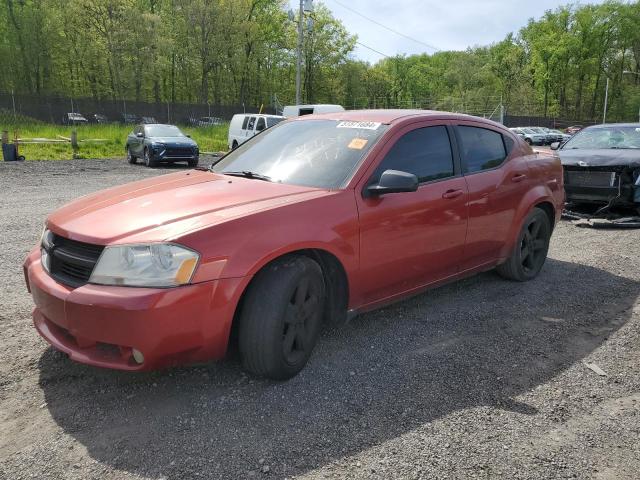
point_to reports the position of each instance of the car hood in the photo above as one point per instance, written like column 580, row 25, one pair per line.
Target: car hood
column 173, row 141
column 168, row 206
column 600, row 157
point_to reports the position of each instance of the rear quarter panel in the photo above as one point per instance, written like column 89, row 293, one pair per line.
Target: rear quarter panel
column 546, row 184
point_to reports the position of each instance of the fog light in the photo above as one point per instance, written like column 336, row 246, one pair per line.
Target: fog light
column 137, row 355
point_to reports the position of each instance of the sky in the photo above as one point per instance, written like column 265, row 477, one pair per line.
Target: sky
column 446, row 25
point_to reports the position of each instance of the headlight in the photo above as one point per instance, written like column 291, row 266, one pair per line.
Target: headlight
column 157, row 146
column 46, row 240
column 153, row 265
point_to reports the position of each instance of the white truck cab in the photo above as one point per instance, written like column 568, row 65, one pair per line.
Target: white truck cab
column 243, row 126
column 299, row 110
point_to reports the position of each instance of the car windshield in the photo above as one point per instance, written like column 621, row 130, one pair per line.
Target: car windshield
column 314, row 153
column 162, row 131
column 605, row 138
column 528, row 130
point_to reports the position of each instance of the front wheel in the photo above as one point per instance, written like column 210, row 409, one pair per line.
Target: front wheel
column 130, row 156
column 529, row 141
column 148, row 159
column 531, row 249
column 193, row 163
column 280, row 317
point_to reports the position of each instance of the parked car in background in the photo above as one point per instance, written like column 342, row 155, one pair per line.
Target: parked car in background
column 74, row 119
column 602, row 165
column 155, row 143
column 573, row 129
column 99, row 118
column 148, row 120
column 243, row 126
column 560, row 136
column 549, row 138
column 311, row 221
column 529, row 136
column 299, row 110
column 209, row 121
column 129, row 118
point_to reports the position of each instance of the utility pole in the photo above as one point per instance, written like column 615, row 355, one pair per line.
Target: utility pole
column 606, row 99
column 299, row 62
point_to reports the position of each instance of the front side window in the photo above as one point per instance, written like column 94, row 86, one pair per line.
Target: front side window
column 244, row 123
column 425, row 152
column 314, row 153
column 481, row 148
column 261, row 125
column 251, row 124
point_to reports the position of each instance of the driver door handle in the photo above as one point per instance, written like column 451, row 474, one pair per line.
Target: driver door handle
column 449, row 194
column 518, row 177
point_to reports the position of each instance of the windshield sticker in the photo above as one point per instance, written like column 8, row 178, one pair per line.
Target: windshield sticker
column 358, row 143
column 364, row 125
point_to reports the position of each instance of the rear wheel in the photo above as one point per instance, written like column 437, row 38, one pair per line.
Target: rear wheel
column 281, row 317
column 531, row 249
column 234, row 145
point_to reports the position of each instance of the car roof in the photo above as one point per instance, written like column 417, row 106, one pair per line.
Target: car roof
column 388, row 116
column 609, row 125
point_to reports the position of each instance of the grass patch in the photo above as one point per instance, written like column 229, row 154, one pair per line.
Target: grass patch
column 209, row 139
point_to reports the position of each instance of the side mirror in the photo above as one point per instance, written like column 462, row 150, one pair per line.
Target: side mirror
column 555, row 145
column 393, row 181
column 140, row 135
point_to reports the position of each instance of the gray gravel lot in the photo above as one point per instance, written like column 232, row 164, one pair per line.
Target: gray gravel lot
column 479, row 379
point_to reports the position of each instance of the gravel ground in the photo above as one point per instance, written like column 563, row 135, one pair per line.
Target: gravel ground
column 479, row 379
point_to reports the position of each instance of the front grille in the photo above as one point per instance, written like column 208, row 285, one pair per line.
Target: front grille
column 179, row 151
column 591, row 179
column 72, row 262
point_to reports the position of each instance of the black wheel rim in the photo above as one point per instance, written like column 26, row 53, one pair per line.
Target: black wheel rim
column 533, row 248
column 299, row 321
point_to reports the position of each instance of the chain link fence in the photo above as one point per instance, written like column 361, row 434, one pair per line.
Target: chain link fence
column 57, row 110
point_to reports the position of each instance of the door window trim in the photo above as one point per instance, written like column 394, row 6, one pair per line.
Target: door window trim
column 463, row 163
column 390, row 142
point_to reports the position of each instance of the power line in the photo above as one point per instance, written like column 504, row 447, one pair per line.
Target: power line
column 384, row 26
column 372, row 49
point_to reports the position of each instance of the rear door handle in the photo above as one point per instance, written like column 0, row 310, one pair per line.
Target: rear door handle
column 449, row 194
column 518, row 177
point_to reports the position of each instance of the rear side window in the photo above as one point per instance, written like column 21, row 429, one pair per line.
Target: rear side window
column 482, row 149
column 425, row 152
column 261, row 125
column 244, row 123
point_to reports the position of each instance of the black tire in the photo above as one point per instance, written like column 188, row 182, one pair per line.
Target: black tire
column 193, row 163
column 234, row 145
column 531, row 249
column 131, row 158
column 281, row 317
column 148, row 160
column 529, row 141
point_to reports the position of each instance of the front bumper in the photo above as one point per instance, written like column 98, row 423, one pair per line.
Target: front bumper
column 613, row 185
column 100, row 325
column 169, row 154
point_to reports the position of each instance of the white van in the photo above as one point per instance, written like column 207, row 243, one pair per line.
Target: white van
column 243, row 126
column 299, row 110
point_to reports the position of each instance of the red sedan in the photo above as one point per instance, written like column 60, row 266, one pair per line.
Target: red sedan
column 317, row 219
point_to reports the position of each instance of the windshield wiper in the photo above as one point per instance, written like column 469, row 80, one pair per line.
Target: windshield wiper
column 248, row 174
